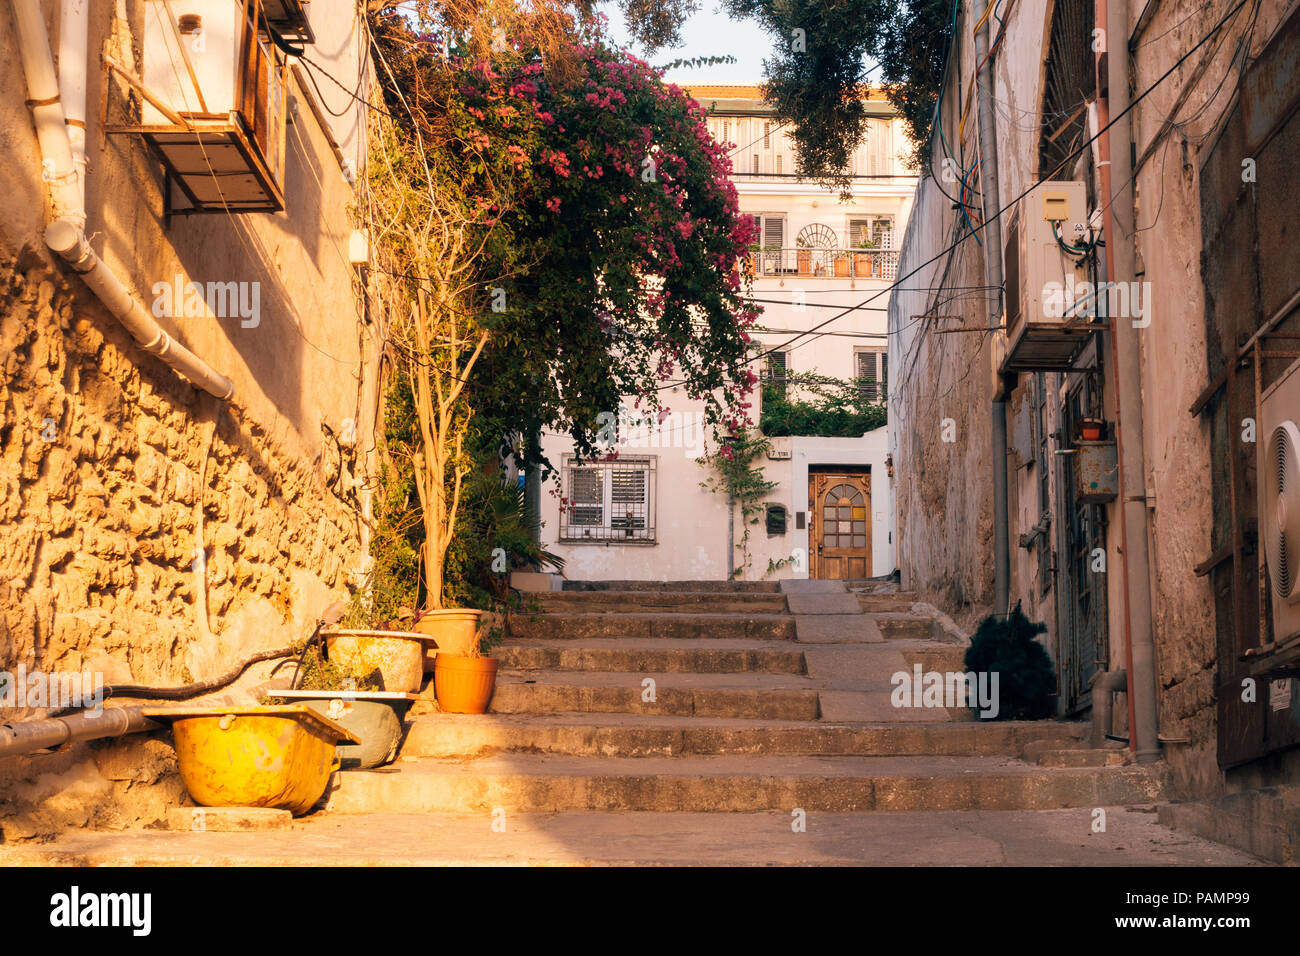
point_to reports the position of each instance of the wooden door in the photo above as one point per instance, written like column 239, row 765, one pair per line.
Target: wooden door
column 839, row 534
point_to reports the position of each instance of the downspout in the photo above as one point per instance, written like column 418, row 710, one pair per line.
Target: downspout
column 993, row 278
column 1118, row 227
column 74, row 31
column 65, row 233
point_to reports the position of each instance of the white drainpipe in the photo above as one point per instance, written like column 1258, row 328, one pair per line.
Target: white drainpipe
column 74, row 29
column 65, row 234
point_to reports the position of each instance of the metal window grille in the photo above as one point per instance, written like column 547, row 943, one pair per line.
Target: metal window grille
column 609, row 501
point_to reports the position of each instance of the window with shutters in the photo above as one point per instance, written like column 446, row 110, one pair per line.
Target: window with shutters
column 872, row 373
column 755, row 163
column 878, row 230
column 611, row 501
column 771, row 231
column 767, row 135
column 726, row 132
column 779, row 157
column 776, row 366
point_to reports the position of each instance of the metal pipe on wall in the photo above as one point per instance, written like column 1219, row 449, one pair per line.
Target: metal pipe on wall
column 993, row 277
column 32, row 735
column 1128, row 382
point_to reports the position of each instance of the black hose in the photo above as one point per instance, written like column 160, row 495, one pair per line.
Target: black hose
column 199, row 687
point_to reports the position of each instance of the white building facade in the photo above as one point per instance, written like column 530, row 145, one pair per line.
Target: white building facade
column 646, row 515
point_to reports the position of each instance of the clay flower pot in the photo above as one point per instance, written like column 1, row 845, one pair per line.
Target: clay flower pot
column 464, row 685
column 453, row 631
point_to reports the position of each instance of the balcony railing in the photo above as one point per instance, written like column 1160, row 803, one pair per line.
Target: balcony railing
column 824, row 263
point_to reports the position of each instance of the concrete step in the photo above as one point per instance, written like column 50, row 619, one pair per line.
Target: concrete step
column 544, row 783
column 634, row 602
column 634, row 735
column 667, row 656
column 972, row 838
column 767, row 696
column 769, row 587
column 678, row 626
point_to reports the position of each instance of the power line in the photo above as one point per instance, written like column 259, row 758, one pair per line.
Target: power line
column 1035, row 185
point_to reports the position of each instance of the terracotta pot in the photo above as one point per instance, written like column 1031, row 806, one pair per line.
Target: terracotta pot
column 464, row 685
column 1091, row 433
column 452, row 631
column 397, row 655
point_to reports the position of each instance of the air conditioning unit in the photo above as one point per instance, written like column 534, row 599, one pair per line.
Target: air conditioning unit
column 1279, row 498
column 214, row 103
column 1046, row 320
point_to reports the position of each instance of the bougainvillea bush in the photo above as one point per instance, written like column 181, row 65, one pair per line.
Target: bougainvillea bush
column 554, row 234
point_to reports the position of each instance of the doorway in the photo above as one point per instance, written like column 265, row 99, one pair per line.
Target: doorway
column 839, row 533
column 1083, row 636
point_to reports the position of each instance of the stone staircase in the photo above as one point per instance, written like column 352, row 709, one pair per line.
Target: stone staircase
column 743, row 697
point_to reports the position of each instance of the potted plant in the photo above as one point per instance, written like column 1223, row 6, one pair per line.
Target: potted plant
column 372, row 716
column 862, row 261
column 464, row 682
column 1091, row 429
column 804, row 257
column 379, row 642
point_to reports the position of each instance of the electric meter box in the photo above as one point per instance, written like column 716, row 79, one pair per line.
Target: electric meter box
column 1096, row 472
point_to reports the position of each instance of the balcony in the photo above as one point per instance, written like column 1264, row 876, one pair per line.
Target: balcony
column 878, row 263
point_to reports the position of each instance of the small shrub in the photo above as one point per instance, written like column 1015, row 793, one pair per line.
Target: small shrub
column 1026, row 678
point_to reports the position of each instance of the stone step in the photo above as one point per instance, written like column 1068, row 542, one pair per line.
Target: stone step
column 769, row 587
column 897, row 602
column 1078, row 757
column 896, row 626
column 631, row 735
column 544, row 783
column 666, row 656
column 765, row 627
column 933, row 656
column 640, row 602
column 767, row 696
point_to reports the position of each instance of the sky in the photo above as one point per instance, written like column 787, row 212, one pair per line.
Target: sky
column 708, row 33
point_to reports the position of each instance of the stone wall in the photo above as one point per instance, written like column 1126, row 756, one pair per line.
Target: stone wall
column 113, row 469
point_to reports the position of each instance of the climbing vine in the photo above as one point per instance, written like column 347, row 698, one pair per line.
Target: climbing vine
column 733, row 473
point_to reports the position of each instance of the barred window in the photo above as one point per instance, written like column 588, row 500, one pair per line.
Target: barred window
column 609, row 501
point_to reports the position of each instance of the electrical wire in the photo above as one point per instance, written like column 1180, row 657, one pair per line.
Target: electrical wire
column 1061, row 165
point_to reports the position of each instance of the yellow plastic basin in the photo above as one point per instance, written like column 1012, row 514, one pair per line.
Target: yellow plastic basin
column 278, row 757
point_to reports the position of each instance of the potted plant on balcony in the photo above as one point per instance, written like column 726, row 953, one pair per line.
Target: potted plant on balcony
column 803, row 256
column 862, row 261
